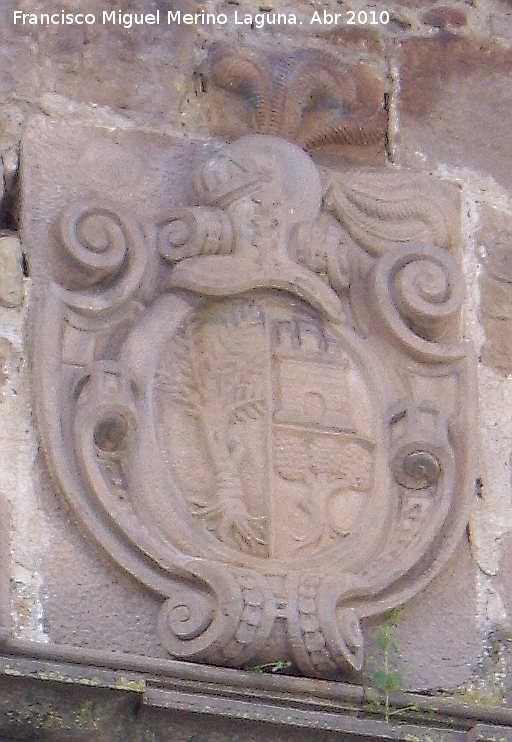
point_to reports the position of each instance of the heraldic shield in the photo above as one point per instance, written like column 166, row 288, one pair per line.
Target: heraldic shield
column 256, row 399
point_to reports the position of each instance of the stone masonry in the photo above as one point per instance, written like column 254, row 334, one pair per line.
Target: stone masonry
column 432, row 96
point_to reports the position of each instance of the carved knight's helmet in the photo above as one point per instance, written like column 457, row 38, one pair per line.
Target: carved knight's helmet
column 227, row 178
column 277, row 172
column 282, row 184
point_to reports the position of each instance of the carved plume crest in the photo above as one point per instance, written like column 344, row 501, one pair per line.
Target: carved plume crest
column 306, row 96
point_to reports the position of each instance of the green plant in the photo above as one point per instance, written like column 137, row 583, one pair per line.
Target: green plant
column 270, row 667
column 388, row 680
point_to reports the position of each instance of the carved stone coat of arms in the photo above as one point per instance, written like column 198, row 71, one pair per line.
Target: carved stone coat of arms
column 256, row 398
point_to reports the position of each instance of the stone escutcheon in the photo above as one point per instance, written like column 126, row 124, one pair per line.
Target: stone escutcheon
column 259, row 405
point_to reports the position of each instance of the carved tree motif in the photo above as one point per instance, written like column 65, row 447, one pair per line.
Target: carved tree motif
column 327, row 465
column 220, row 382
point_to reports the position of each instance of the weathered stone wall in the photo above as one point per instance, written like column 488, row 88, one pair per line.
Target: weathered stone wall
column 435, row 82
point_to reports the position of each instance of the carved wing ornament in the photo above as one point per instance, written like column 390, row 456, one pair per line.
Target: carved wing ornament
column 258, row 407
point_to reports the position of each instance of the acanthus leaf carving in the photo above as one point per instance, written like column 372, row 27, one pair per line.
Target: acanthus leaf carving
column 384, row 209
column 239, row 445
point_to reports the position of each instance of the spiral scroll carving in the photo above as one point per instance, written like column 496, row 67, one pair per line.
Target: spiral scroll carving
column 421, row 454
column 107, row 253
column 197, row 230
column 106, row 419
column 419, row 291
column 416, row 469
column 200, row 617
column 187, row 615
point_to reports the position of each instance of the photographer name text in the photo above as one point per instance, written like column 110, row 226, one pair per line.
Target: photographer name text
column 176, row 17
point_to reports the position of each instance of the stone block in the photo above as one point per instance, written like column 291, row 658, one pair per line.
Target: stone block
column 501, row 23
column 86, row 601
column 454, row 105
column 353, row 39
column 413, row 3
column 444, row 17
column 500, row 640
column 437, row 637
column 11, row 275
column 495, row 239
column 503, row 580
column 144, row 69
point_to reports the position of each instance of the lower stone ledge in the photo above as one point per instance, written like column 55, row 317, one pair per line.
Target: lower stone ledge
column 52, row 693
